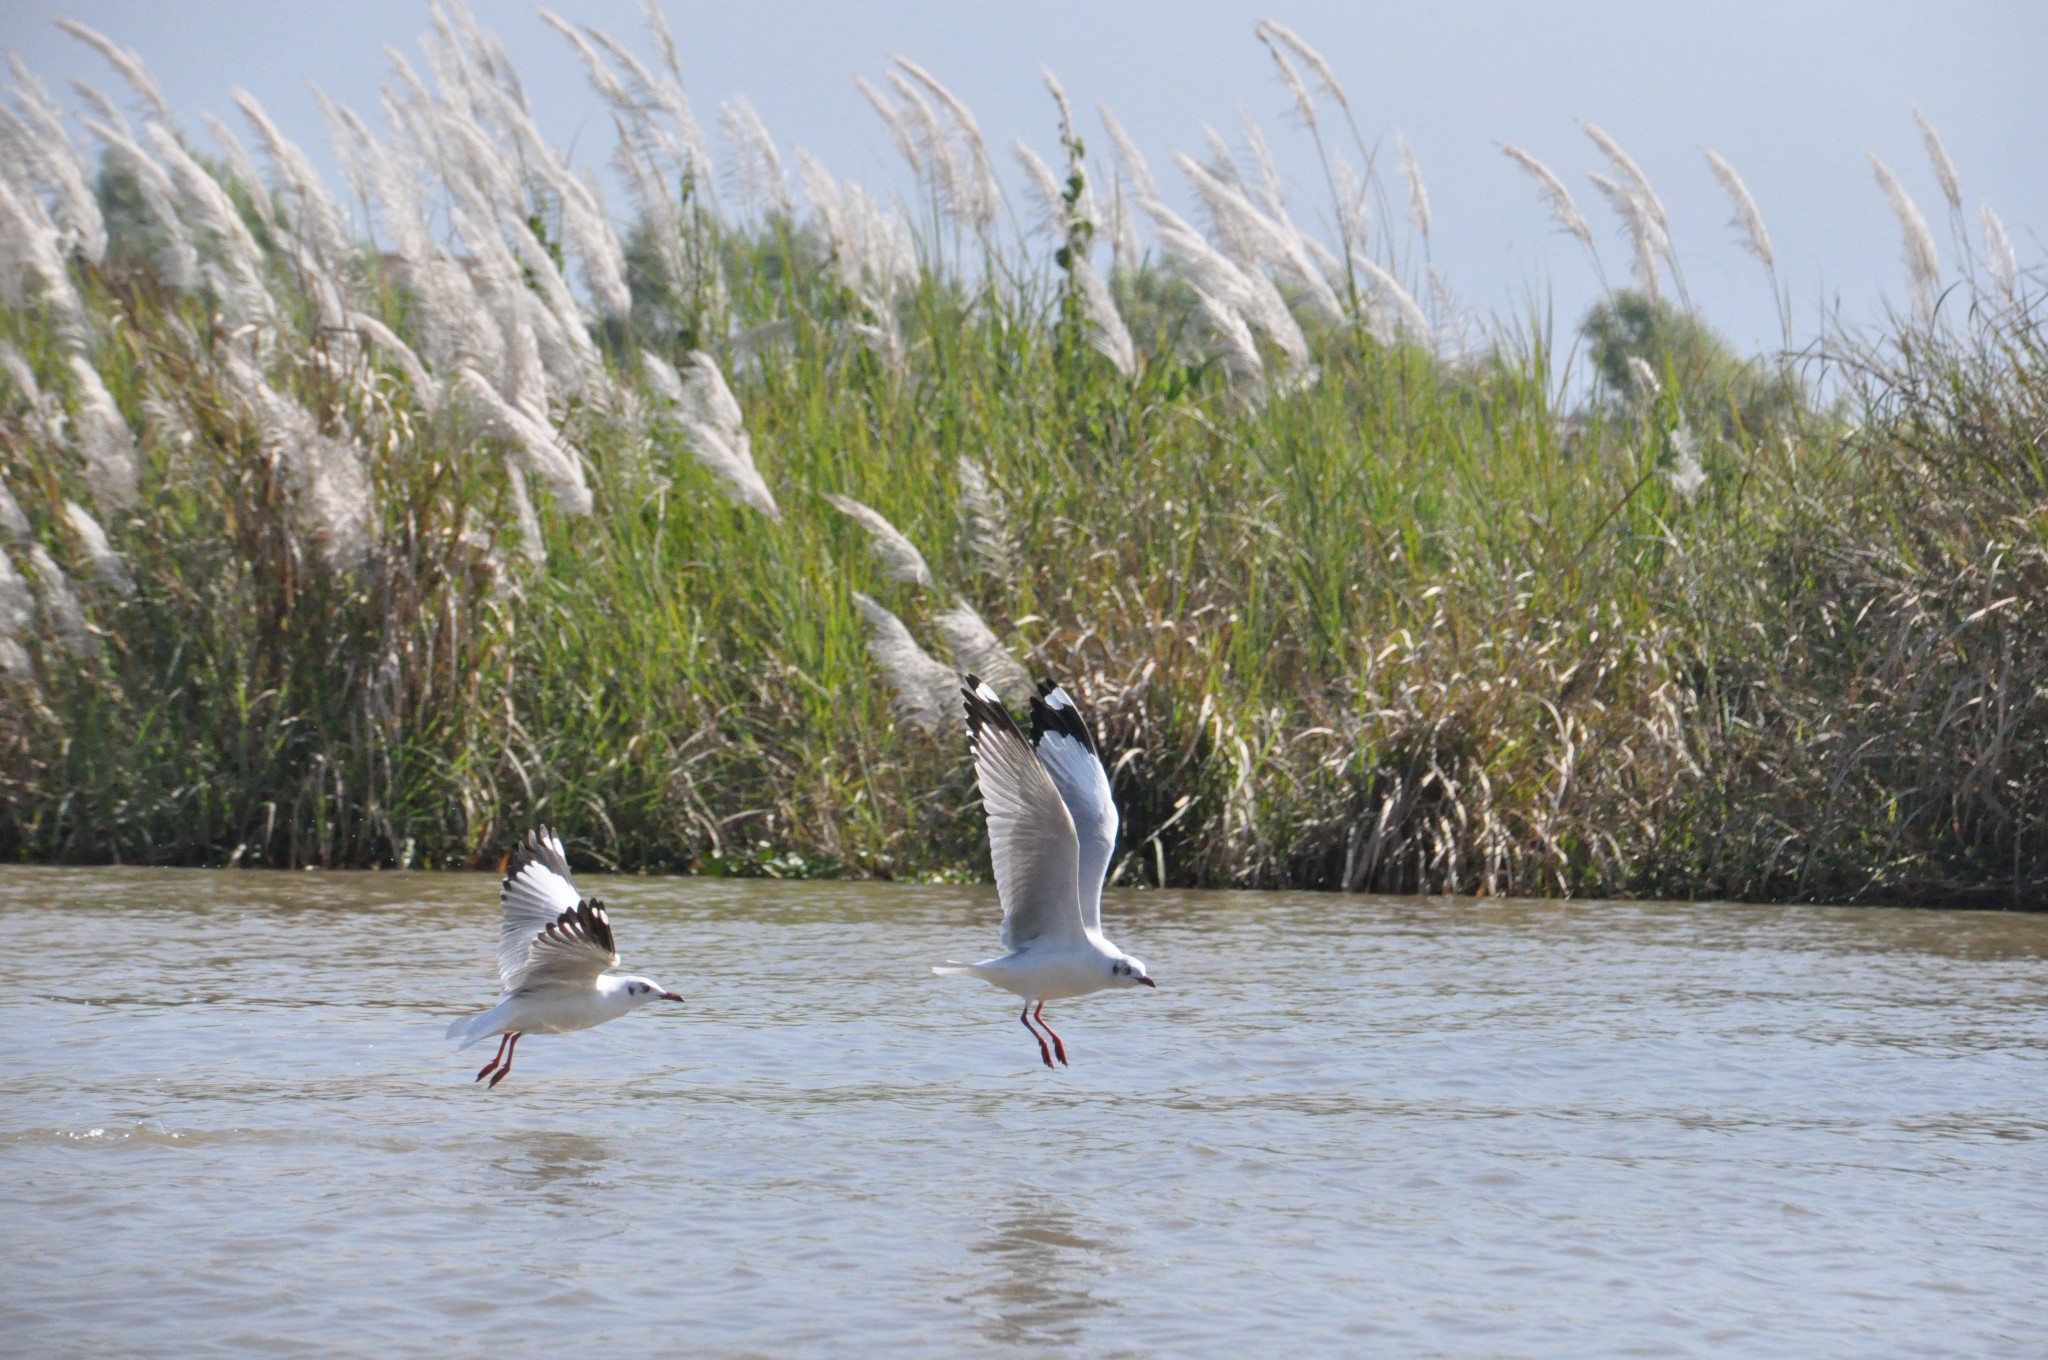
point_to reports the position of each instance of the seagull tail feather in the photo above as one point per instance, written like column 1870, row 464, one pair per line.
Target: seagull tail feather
column 468, row 1028
column 951, row 968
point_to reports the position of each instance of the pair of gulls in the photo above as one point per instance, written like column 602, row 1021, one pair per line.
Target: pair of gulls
column 1051, row 827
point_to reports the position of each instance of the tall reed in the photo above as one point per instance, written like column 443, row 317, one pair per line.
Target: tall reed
column 371, row 543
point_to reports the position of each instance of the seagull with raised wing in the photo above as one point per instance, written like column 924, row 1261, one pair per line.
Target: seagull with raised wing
column 1051, row 828
column 553, row 952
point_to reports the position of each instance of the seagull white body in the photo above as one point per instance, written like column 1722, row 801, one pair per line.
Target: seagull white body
column 554, row 948
column 1051, row 828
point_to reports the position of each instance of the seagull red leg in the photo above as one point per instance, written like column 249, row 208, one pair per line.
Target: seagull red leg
column 1043, row 1051
column 506, row 1070
column 492, row 1065
column 1057, row 1046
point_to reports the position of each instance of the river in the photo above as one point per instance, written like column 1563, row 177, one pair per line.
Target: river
column 1341, row 1126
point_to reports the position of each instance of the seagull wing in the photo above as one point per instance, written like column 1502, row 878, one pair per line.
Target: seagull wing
column 549, row 933
column 1067, row 750
column 1030, row 833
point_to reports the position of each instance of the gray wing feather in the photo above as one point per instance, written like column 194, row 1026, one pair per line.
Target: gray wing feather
column 1067, row 749
column 1030, row 833
column 537, row 896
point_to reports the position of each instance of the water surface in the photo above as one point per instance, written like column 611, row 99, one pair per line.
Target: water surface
column 228, row 1123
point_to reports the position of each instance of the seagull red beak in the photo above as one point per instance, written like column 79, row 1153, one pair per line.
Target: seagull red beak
column 1148, row 982
column 670, row 996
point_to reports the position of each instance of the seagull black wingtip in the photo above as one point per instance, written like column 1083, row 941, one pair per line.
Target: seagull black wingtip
column 1063, row 718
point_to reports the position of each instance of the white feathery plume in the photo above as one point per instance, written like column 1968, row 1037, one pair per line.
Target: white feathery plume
column 545, row 455
column 548, row 297
column 976, row 648
column 31, row 262
column 1272, row 33
column 1252, row 239
column 1923, row 266
column 1059, row 97
column 932, row 155
column 989, row 540
column 1687, row 477
column 601, row 75
column 17, row 601
column 756, row 165
column 983, row 197
column 105, row 440
column 1222, row 164
column 315, row 217
column 668, row 93
column 533, row 544
column 1232, row 296
column 1412, row 316
column 1107, row 334
column 177, row 262
column 58, row 604
column 1272, row 194
column 1625, row 165
column 244, row 296
column 97, row 103
column 872, row 252
column 1944, row 168
column 664, row 93
column 1999, row 256
column 1304, row 103
column 14, row 524
column 47, row 418
column 1132, row 160
column 1642, row 377
column 1641, row 226
column 1047, row 195
column 1418, row 192
column 1746, row 215
column 1354, row 214
column 20, row 374
column 242, row 170
column 1562, row 208
column 425, row 387
column 329, row 477
column 900, row 131
column 661, row 376
column 901, row 561
column 715, row 427
column 498, row 321
column 129, row 66
column 63, row 170
column 924, row 688
column 1126, row 251
column 883, row 339
column 649, row 155
column 99, row 554
column 1240, row 350
column 14, row 663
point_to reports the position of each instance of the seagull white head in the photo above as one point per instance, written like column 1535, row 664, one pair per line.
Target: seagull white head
column 1130, row 972
column 639, row 990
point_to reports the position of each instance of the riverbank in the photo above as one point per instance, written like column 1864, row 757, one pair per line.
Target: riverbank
column 344, row 550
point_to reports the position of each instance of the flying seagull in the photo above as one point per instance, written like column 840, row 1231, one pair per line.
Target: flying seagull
column 1051, row 827
column 553, row 950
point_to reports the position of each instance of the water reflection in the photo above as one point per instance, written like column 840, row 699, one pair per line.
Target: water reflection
column 554, row 1167
column 1047, row 1265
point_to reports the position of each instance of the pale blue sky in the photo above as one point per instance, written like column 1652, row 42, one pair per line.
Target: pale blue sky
column 1794, row 94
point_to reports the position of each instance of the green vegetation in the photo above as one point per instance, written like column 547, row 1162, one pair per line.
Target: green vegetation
column 1383, row 615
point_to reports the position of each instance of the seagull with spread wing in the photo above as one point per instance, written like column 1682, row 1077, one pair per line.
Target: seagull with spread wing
column 1051, row 827
column 553, row 950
